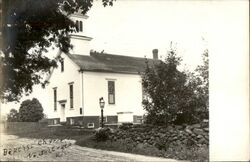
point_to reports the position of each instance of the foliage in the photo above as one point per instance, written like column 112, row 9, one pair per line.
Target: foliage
column 164, row 86
column 203, row 88
column 102, row 134
column 13, row 116
column 29, row 28
column 174, row 96
column 198, row 82
column 31, row 111
column 125, row 126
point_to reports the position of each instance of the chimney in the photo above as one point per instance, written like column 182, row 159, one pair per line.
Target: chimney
column 155, row 54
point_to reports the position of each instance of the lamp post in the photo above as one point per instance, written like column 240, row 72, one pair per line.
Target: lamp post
column 102, row 103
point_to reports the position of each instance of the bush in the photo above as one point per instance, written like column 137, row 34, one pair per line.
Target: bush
column 102, row 134
column 126, row 126
column 13, row 116
column 31, row 111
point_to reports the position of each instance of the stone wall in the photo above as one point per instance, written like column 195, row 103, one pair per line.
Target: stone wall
column 162, row 137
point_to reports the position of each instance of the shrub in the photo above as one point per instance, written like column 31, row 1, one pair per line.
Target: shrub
column 126, row 126
column 102, row 134
column 13, row 116
column 31, row 111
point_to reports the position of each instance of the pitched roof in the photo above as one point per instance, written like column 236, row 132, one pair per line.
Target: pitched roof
column 111, row 63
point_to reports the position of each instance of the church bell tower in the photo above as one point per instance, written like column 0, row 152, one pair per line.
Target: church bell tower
column 79, row 40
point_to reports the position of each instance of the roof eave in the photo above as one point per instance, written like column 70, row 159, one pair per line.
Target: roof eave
column 110, row 71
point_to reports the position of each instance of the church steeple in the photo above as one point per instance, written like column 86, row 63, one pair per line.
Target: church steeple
column 79, row 40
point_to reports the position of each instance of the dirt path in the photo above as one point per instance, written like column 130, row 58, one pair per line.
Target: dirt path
column 13, row 148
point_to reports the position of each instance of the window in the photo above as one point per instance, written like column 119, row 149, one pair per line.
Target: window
column 80, row 25
column 71, row 95
column 62, row 65
column 80, row 110
column 111, row 92
column 91, row 125
column 77, row 24
column 55, row 99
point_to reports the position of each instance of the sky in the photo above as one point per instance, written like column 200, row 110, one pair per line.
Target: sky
column 135, row 28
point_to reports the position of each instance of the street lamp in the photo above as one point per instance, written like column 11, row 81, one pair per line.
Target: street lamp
column 101, row 103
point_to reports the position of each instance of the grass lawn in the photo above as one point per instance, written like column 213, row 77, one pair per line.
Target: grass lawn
column 55, row 132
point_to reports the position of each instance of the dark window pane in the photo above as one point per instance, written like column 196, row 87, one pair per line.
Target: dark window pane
column 77, row 24
column 55, row 99
column 62, row 66
column 111, row 92
column 71, row 95
column 80, row 25
column 111, row 86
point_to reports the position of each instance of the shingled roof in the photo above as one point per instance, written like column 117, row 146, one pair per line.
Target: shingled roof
column 111, row 63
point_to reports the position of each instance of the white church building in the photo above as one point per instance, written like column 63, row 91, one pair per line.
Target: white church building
column 84, row 76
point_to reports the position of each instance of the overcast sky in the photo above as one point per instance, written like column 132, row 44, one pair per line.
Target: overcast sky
column 136, row 27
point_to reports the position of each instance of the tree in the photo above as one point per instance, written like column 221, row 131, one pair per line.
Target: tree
column 203, row 87
column 164, row 85
column 13, row 116
column 174, row 96
column 198, row 100
column 31, row 111
column 29, row 28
